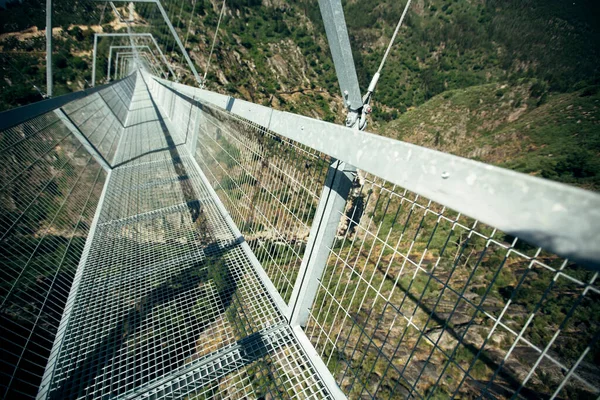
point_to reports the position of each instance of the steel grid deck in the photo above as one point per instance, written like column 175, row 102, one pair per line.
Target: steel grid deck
column 168, row 303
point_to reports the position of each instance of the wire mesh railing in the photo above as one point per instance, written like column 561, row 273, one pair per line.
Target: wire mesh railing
column 101, row 117
column 48, row 201
column 269, row 184
column 417, row 300
column 50, row 186
column 414, row 299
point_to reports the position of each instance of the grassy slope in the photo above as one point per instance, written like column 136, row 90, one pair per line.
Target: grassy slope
column 512, row 125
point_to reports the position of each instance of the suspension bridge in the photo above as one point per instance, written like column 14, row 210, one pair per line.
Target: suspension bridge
column 160, row 240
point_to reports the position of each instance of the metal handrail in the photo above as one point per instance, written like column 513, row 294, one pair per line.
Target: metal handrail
column 555, row 216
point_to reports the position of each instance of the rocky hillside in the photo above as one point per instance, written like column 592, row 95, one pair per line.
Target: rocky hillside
column 491, row 80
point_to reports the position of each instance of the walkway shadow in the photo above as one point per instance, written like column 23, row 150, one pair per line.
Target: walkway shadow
column 123, row 369
column 187, row 189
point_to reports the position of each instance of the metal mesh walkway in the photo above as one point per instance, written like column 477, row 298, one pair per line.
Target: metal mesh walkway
column 166, row 302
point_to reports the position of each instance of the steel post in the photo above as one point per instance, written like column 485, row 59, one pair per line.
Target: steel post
column 117, row 67
column 322, row 234
column 49, row 82
column 94, row 60
column 109, row 62
column 339, row 44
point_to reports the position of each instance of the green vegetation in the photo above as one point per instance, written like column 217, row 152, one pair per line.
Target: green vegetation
column 487, row 57
column 23, row 46
column 448, row 44
column 556, row 138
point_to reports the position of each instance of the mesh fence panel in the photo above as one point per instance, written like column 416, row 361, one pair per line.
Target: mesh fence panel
column 50, row 187
column 101, row 117
column 49, row 190
column 269, row 184
column 419, row 301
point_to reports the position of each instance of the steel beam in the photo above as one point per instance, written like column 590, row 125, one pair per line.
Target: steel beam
column 121, row 66
column 117, row 66
column 131, row 12
column 339, row 43
column 339, row 180
column 109, row 63
column 148, row 35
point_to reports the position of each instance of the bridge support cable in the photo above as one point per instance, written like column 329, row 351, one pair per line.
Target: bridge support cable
column 367, row 97
column 178, row 41
column 212, row 47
